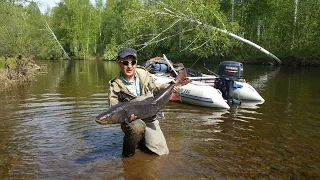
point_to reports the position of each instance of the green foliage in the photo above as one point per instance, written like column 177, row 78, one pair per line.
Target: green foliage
column 11, row 62
column 7, row 62
column 188, row 27
column 274, row 25
column 174, row 26
column 2, row 63
column 22, row 31
column 76, row 25
column 111, row 50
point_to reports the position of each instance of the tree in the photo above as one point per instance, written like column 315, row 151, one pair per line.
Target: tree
column 22, row 31
column 146, row 25
column 75, row 23
column 199, row 27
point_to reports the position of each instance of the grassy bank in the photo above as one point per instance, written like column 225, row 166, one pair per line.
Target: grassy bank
column 18, row 69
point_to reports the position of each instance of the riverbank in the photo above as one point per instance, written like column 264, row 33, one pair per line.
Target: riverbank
column 286, row 61
column 24, row 70
column 3, row 77
column 247, row 59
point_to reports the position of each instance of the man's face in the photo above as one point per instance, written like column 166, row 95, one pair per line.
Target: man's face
column 128, row 66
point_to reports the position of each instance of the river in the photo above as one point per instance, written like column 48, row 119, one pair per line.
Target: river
column 48, row 129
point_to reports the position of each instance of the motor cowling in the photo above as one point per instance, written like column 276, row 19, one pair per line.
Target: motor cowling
column 230, row 70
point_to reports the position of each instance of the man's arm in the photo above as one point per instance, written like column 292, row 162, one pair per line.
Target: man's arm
column 113, row 94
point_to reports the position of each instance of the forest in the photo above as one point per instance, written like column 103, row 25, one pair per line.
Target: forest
column 79, row 29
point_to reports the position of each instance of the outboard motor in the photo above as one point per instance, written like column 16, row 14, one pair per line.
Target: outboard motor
column 229, row 71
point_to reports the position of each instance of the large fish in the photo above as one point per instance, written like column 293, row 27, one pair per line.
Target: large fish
column 142, row 109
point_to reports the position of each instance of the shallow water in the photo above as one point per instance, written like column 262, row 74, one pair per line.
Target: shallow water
column 48, row 130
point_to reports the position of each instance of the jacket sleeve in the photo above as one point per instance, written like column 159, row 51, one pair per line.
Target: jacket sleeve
column 113, row 94
column 148, row 84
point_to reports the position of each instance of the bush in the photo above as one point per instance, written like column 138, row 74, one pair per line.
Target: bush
column 7, row 62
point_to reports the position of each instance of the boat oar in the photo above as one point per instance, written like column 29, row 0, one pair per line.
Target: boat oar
column 165, row 58
column 211, row 72
column 174, row 96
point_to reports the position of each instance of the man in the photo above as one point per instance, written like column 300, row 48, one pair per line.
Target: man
column 133, row 82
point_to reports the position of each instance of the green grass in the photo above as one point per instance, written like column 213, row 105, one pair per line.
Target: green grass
column 10, row 61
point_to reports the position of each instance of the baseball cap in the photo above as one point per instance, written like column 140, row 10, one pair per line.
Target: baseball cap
column 127, row 52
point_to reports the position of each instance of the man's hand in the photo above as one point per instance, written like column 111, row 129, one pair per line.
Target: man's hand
column 184, row 82
column 132, row 117
column 176, row 88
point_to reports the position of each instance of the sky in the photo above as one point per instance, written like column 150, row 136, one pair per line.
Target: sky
column 43, row 4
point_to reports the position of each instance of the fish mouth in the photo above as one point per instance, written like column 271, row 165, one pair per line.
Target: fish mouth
column 102, row 120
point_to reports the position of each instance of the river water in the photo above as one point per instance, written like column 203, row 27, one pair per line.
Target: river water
column 48, row 130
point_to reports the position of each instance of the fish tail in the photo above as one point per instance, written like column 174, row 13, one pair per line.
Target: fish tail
column 181, row 78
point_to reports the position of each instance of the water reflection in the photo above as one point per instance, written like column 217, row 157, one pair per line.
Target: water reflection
column 251, row 104
column 261, row 81
column 48, row 132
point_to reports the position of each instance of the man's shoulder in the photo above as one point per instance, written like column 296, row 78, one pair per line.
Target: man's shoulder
column 141, row 69
column 114, row 79
column 115, row 83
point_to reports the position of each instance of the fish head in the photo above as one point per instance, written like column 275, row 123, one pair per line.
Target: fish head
column 111, row 116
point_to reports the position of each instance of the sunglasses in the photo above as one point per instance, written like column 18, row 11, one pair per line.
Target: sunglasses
column 126, row 63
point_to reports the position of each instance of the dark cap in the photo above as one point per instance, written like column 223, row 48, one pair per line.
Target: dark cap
column 127, row 52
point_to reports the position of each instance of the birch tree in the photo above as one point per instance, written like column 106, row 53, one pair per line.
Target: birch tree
column 204, row 27
column 76, row 25
column 22, row 31
column 163, row 25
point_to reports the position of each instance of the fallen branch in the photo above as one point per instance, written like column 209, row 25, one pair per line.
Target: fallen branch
column 152, row 42
column 160, row 33
column 188, row 19
column 54, row 36
column 189, row 44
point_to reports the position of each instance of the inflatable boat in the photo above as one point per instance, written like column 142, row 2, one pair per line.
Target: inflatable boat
column 218, row 90
column 240, row 90
column 195, row 93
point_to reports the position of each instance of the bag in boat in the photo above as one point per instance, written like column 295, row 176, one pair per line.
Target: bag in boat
column 159, row 64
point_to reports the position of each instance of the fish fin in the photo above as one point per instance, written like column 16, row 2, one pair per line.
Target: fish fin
column 160, row 115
